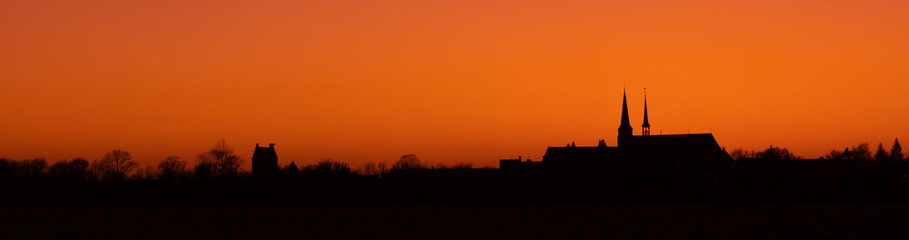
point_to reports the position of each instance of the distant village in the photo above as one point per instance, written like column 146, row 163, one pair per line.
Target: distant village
column 638, row 163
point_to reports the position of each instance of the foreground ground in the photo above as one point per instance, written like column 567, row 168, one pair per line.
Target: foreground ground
column 484, row 221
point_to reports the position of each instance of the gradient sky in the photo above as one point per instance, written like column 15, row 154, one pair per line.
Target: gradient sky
column 449, row 81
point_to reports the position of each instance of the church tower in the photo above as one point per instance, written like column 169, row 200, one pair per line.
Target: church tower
column 625, row 131
column 646, row 125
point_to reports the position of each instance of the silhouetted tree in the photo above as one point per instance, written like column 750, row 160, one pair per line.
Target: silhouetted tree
column 408, row 161
column 32, row 167
column 834, row 155
column 116, row 164
column 171, row 168
column 76, row 170
column 369, row 169
column 79, row 168
column 146, row 173
column 739, row 154
column 97, row 169
column 896, row 152
column 7, row 170
column 381, row 168
column 327, row 173
column 862, row 152
column 221, row 160
column 329, row 166
column 460, row 165
column 31, row 170
column 775, row 153
column 881, row 155
column 59, row 171
column 203, row 171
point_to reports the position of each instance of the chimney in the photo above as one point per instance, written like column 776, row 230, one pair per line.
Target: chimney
column 271, row 145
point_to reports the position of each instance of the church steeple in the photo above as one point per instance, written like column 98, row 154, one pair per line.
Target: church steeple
column 625, row 130
column 646, row 125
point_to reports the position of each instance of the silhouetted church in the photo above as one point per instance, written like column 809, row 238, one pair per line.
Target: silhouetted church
column 264, row 161
column 694, row 157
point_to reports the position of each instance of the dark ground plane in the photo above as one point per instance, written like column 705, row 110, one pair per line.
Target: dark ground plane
column 454, row 221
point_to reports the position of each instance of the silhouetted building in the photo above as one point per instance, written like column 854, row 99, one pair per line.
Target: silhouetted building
column 693, row 157
column 509, row 164
column 645, row 128
column 264, row 161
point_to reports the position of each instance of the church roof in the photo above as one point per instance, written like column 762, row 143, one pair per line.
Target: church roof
column 578, row 151
column 578, row 156
column 700, row 147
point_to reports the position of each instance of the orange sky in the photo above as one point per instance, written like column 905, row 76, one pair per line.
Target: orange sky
column 450, row 81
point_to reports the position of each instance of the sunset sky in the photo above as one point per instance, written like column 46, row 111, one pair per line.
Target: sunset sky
column 449, row 81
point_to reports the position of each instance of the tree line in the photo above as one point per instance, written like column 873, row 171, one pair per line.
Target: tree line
column 218, row 163
column 861, row 152
column 118, row 165
column 222, row 163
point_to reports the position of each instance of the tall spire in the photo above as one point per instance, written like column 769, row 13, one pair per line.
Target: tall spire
column 625, row 121
column 625, row 130
column 646, row 125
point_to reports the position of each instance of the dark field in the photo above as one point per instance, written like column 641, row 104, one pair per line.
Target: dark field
column 547, row 221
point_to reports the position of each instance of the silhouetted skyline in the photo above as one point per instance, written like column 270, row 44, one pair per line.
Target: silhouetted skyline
column 639, row 161
column 414, row 119
column 448, row 81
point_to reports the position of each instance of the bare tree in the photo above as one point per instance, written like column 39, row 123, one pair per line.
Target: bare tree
column 116, row 164
column 369, row 169
column 408, row 161
column 97, row 169
column 381, row 168
column 440, row 166
column 31, row 169
column 835, row 155
column 171, row 168
column 739, row 154
column 79, row 167
column 70, row 171
column 328, row 166
column 862, row 152
column 462, row 165
column 7, row 170
column 146, row 173
column 220, row 160
column 775, row 153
